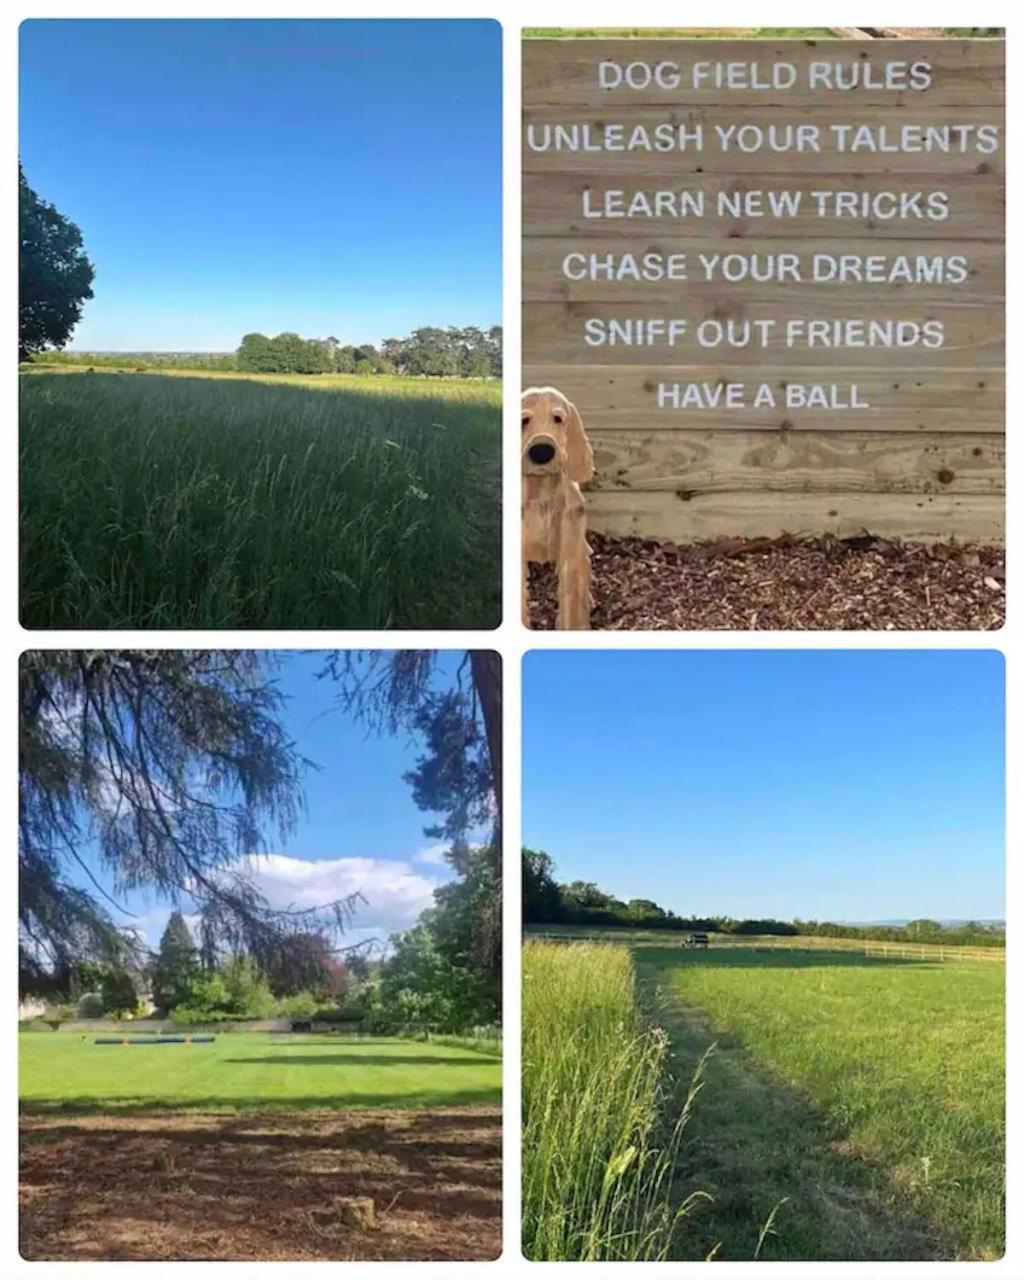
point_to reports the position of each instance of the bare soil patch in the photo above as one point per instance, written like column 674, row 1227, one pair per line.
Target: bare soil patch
column 786, row 584
column 262, row 1186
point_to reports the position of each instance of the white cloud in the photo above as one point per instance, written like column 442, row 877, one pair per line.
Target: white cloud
column 432, row 856
column 395, row 892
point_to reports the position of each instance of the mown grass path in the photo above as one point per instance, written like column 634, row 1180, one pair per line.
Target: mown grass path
column 863, row 1097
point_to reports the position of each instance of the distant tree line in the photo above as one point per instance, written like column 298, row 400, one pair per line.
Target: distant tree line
column 582, row 903
column 426, row 353
column 140, row 361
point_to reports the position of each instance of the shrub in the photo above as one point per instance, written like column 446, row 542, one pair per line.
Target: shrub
column 90, row 1005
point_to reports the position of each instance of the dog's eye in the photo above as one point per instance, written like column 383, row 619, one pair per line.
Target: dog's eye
column 558, row 419
column 526, row 422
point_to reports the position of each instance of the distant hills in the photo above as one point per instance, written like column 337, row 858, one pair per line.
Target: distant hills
column 946, row 924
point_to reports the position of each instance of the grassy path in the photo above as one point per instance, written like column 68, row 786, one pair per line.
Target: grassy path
column 860, row 1100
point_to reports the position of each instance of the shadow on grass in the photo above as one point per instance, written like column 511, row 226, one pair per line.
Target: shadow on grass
column 755, row 1144
column 485, row 1096
column 783, row 958
column 361, row 1060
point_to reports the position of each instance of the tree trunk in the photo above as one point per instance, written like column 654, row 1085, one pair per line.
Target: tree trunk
column 486, row 668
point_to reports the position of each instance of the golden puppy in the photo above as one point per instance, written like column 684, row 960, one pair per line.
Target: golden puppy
column 556, row 460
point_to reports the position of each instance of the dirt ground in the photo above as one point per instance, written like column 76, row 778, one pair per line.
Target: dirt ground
column 785, row 584
column 262, row 1186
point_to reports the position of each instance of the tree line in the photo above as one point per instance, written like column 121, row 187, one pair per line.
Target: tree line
column 426, row 353
column 583, row 903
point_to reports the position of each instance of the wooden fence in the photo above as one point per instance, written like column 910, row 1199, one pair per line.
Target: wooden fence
column 905, row 438
column 900, row 950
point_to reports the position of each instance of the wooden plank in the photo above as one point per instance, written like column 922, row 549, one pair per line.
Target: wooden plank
column 919, row 518
column 618, row 398
column 565, row 72
column 961, row 274
column 712, row 461
column 553, row 333
column 608, row 140
column 553, row 205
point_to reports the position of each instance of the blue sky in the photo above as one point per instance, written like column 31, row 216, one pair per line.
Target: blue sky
column 361, row 829
column 332, row 177
column 828, row 785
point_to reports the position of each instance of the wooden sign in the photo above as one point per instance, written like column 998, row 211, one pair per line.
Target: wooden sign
column 770, row 274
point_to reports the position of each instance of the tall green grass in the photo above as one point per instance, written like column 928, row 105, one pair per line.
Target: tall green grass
column 157, row 501
column 599, row 1142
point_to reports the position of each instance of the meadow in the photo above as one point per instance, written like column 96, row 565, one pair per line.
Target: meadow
column 259, row 1147
column 181, row 499
column 851, row 1106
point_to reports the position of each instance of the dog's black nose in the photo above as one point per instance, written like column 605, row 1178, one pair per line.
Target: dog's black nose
column 541, row 453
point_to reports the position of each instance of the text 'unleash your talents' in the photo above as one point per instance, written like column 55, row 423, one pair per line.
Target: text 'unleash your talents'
column 749, row 139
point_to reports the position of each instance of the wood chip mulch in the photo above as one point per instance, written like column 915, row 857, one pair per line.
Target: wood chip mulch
column 262, row 1187
column 787, row 583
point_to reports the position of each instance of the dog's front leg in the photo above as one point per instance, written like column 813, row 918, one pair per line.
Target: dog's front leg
column 574, row 602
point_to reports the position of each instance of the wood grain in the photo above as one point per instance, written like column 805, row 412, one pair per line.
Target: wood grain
column 925, row 458
column 724, row 461
column 918, row 518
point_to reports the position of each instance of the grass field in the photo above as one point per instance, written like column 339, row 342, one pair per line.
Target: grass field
column 246, row 1071
column 172, row 500
column 851, row 1107
column 258, row 1147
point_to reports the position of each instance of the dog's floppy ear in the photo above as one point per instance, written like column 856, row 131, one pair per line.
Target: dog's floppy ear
column 578, row 453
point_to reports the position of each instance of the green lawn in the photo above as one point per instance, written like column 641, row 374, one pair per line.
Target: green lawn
column 174, row 500
column 865, row 1098
column 249, row 1070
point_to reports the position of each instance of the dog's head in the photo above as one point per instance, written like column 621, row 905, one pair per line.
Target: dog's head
column 554, row 441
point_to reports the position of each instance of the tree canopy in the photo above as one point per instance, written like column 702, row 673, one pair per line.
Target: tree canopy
column 55, row 275
column 426, row 353
column 175, row 764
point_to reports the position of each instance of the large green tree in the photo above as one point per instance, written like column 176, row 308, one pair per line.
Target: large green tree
column 542, row 900
column 176, row 964
column 458, row 777
column 55, row 275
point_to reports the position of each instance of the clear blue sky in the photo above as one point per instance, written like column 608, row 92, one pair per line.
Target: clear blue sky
column 332, row 177
column 361, row 829
column 828, row 785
